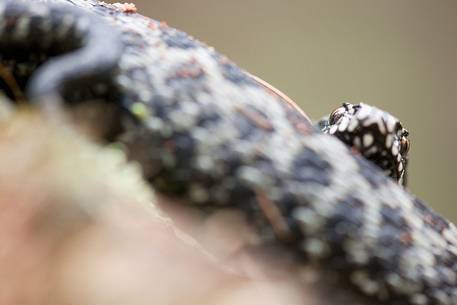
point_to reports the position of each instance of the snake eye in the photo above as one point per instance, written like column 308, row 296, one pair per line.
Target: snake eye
column 404, row 145
column 336, row 115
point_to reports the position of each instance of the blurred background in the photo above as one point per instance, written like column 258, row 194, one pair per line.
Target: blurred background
column 398, row 55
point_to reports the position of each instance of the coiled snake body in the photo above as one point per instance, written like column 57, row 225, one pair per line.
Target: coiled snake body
column 203, row 128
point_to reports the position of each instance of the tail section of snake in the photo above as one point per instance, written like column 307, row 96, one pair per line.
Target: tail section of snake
column 73, row 42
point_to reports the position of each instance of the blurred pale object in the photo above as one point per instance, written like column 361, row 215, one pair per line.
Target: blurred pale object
column 79, row 226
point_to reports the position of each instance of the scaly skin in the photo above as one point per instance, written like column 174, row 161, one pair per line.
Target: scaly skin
column 202, row 127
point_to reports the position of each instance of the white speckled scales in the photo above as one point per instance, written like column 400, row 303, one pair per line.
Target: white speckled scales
column 202, row 127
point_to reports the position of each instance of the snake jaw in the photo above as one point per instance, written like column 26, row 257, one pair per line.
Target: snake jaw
column 377, row 135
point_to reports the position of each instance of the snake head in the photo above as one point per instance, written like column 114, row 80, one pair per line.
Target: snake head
column 375, row 134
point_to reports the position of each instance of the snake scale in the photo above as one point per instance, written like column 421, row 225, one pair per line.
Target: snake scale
column 204, row 128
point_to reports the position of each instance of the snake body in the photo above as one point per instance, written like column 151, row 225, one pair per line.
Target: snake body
column 204, row 128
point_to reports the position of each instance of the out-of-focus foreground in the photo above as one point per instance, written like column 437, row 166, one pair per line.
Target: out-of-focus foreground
column 78, row 226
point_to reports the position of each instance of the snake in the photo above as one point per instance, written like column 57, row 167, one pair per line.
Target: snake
column 203, row 128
